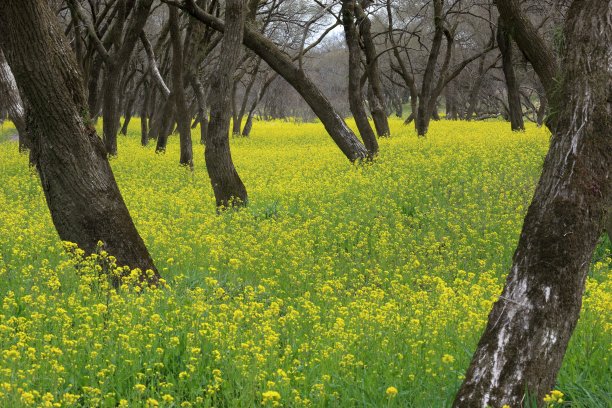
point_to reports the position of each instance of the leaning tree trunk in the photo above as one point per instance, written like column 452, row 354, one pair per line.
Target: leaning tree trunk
column 84, row 200
column 515, row 111
column 280, row 62
column 529, row 328
column 354, row 78
column 183, row 118
column 12, row 102
column 229, row 189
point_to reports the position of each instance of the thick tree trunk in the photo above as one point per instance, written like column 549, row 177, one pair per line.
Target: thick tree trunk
column 515, row 111
column 529, row 328
column 344, row 138
column 84, row 200
column 183, row 118
column 229, row 189
column 11, row 100
column 376, row 95
column 354, row 78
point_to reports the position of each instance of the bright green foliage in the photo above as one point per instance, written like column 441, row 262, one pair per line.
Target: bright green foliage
column 339, row 286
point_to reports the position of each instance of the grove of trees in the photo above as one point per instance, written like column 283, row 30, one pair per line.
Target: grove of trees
column 223, row 63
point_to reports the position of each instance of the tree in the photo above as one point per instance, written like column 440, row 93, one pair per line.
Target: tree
column 227, row 185
column 529, row 328
column 280, row 62
column 12, row 101
column 515, row 111
column 354, row 80
column 183, row 118
column 115, row 48
column 83, row 198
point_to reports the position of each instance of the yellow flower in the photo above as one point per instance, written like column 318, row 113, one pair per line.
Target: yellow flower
column 140, row 388
column 270, row 396
column 554, row 397
column 447, row 359
column 391, row 392
column 167, row 398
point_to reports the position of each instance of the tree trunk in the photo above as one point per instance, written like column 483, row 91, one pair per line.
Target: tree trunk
column 144, row 115
column 12, row 102
column 344, row 138
column 110, row 108
column 354, row 78
column 475, row 90
column 515, row 110
column 229, row 189
column 542, row 110
column 202, row 108
column 183, row 118
column 376, row 95
column 83, row 198
column 522, row 347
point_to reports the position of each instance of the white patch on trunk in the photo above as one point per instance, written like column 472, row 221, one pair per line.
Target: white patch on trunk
column 546, row 293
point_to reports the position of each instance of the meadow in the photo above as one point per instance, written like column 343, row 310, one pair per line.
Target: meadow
column 338, row 286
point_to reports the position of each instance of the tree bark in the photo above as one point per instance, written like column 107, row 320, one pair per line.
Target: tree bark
column 354, row 78
column 515, row 110
column 183, row 118
column 280, row 62
column 83, row 198
column 522, row 347
column 227, row 185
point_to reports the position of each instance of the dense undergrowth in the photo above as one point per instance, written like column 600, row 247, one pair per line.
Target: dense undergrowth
column 339, row 286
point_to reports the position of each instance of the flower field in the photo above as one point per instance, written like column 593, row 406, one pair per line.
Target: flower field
column 338, row 286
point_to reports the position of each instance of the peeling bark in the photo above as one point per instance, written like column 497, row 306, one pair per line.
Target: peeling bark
column 522, row 347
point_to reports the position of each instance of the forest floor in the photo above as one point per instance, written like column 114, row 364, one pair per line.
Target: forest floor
column 338, row 286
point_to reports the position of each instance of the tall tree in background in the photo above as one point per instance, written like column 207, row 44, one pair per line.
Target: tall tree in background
column 183, row 118
column 522, row 347
column 515, row 111
column 227, row 185
column 115, row 48
column 280, row 62
column 83, row 198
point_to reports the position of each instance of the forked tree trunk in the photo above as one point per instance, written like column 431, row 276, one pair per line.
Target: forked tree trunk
column 83, row 198
column 228, row 188
column 515, row 111
column 354, row 78
column 376, row 94
column 529, row 328
column 183, row 118
column 12, row 101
